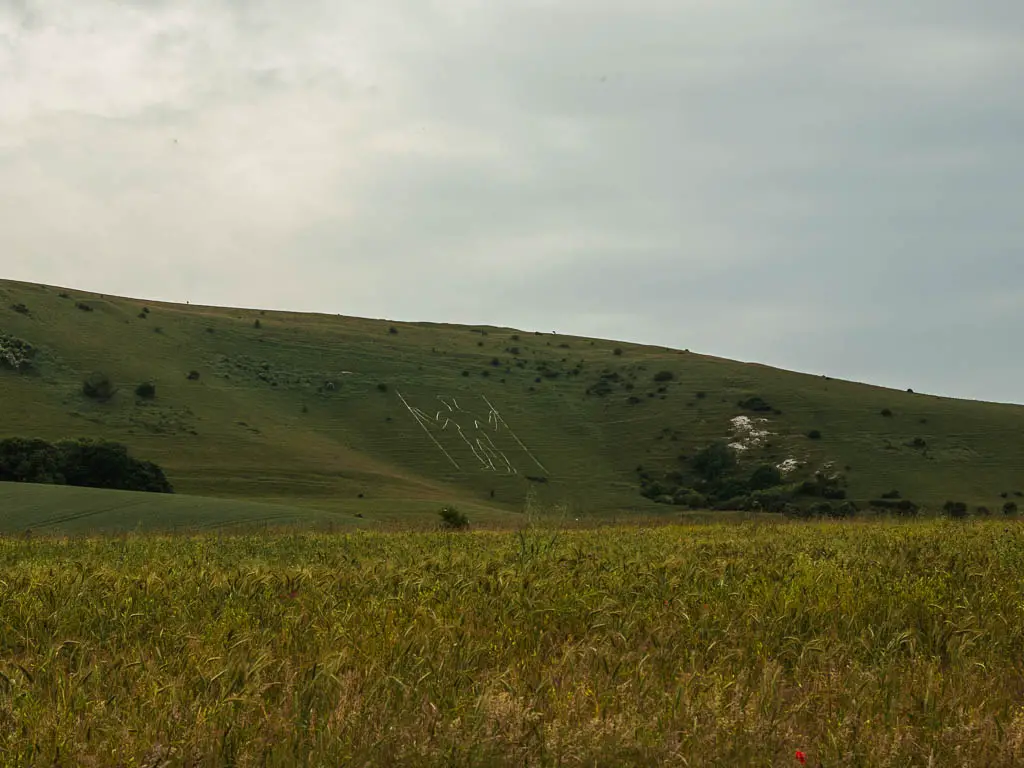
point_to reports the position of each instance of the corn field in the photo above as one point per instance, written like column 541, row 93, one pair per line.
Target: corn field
column 864, row 644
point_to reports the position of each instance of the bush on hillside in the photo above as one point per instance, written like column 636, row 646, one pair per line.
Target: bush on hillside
column 15, row 353
column 755, row 403
column 714, row 461
column 814, row 434
column 664, row 376
column 1010, row 508
column 453, row 518
column 955, row 509
column 83, row 306
column 898, row 506
column 21, row 309
column 98, row 386
column 83, row 462
column 146, row 390
column 765, row 476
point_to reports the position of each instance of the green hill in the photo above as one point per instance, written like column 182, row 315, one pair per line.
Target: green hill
column 349, row 415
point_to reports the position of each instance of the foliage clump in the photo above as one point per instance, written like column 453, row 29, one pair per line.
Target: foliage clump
column 15, row 353
column 146, row 390
column 755, row 403
column 453, row 518
column 98, row 386
column 83, row 462
column 955, row 509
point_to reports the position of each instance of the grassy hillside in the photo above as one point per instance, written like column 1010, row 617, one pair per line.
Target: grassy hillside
column 368, row 416
column 49, row 509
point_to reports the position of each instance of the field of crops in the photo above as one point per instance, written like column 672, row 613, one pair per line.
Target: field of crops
column 874, row 644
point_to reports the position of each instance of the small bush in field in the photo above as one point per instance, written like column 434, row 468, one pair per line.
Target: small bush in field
column 453, row 518
column 98, row 386
column 955, row 509
column 146, row 390
column 1010, row 508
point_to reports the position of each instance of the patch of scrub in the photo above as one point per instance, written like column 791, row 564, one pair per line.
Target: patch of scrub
column 788, row 466
column 748, row 433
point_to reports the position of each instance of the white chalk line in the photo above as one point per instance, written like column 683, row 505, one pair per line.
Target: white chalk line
column 515, row 437
column 417, row 416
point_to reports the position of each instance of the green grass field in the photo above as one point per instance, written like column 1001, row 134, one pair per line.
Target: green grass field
column 859, row 644
column 341, row 415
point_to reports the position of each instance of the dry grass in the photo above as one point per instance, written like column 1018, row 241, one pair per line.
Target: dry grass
column 869, row 644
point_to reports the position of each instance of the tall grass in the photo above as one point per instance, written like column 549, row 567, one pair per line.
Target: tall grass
column 870, row 644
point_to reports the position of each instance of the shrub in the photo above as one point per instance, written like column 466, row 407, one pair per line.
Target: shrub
column 765, row 476
column 754, row 403
column 256, row 323
column 85, row 463
column 955, row 509
column 899, row 506
column 983, row 511
column 701, row 395
column 1010, row 508
column 453, row 518
column 846, row 509
column 495, row 362
column 382, row 387
column 392, row 330
column 15, row 353
column 21, row 309
column 192, row 376
column 98, row 386
column 141, row 315
column 689, row 498
column 83, row 306
column 891, row 495
column 714, row 461
column 146, row 390
column 821, row 509
column 887, row 413
column 814, row 434
column 617, row 351
column 664, row 376
column 771, row 500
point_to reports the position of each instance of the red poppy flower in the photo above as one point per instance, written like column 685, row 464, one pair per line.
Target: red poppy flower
column 801, row 757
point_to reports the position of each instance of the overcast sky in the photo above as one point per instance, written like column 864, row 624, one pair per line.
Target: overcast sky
column 834, row 187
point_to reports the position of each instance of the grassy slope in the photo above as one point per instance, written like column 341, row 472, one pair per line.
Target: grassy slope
column 65, row 510
column 258, row 424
